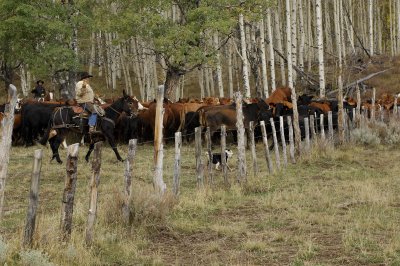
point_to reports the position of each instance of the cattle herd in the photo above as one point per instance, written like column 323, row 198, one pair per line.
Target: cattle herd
column 32, row 117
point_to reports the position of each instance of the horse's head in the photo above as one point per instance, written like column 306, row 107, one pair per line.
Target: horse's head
column 130, row 105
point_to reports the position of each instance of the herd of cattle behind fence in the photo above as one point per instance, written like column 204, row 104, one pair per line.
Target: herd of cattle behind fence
column 269, row 121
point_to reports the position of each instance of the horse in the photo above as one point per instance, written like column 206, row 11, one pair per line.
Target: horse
column 65, row 119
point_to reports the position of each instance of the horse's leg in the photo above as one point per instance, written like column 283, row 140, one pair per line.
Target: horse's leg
column 111, row 140
column 91, row 148
column 55, row 144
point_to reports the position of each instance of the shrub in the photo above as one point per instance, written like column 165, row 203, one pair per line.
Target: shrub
column 3, row 251
column 35, row 258
column 365, row 136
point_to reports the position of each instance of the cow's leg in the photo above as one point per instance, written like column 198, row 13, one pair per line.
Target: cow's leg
column 91, row 148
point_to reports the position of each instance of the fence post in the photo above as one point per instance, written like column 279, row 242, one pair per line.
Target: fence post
column 395, row 104
column 266, row 147
column 358, row 108
column 94, row 184
column 253, row 148
column 307, row 131
column 283, row 140
column 312, row 124
column 373, row 104
column 6, row 139
column 209, row 154
column 223, row 155
column 199, row 163
column 291, row 141
column 33, row 198
column 322, row 126
column 354, row 113
column 276, row 146
column 382, row 113
column 242, row 173
column 128, row 180
column 158, row 144
column 177, row 164
column 330, row 126
column 69, row 192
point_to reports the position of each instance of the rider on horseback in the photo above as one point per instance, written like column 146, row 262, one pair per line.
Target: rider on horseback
column 84, row 96
column 39, row 91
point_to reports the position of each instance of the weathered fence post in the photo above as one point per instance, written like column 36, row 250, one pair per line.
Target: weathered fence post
column 291, row 141
column 354, row 113
column 395, row 104
column 69, row 192
column 253, row 148
column 330, row 126
column 126, row 212
column 33, row 199
column 382, row 113
column 177, row 164
column 158, row 181
column 307, row 135
column 94, row 184
column 283, row 140
column 266, row 147
column 322, row 126
column 209, row 154
column 242, row 171
column 223, row 155
column 6, row 139
column 199, row 161
column 312, row 124
column 373, row 104
column 276, row 146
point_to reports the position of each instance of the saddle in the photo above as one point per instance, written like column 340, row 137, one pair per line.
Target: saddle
column 79, row 111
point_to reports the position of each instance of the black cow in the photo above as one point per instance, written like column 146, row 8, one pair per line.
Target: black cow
column 191, row 122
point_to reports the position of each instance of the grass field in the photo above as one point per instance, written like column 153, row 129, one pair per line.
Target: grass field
column 334, row 207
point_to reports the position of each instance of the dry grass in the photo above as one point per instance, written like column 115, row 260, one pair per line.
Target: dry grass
column 333, row 207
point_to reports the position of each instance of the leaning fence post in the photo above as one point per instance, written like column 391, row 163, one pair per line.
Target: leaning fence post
column 209, row 155
column 223, row 155
column 128, row 180
column 312, row 124
column 330, row 126
column 283, row 140
column 177, row 164
column 94, row 184
column 33, row 198
column 7, row 124
column 253, row 148
column 199, row 161
column 242, row 173
column 322, row 126
column 266, row 147
column 69, row 192
column 276, row 146
column 307, row 135
column 291, row 140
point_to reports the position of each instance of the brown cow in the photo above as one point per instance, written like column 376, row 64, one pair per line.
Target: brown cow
column 279, row 96
column 325, row 107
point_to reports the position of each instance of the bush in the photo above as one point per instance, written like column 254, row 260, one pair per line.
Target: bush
column 35, row 258
column 3, row 251
column 365, row 136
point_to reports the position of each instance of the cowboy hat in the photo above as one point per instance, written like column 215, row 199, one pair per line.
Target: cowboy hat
column 85, row 75
column 39, row 81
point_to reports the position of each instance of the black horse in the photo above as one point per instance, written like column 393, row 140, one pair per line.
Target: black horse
column 65, row 119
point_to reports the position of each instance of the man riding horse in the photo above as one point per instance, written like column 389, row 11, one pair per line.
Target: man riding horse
column 84, row 96
column 66, row 119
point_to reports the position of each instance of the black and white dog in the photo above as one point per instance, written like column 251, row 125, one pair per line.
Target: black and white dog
column 217, row 160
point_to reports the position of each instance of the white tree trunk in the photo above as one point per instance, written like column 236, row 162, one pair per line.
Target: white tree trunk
column 24, row 84
column 264, row 73
column 100, row 53
column 92, row 52
column 219, row 68
column 371, row 28
column 302, row 35
column 398, row 27
column 293, row 30
column 246, row 82
column 271, row 50
column 338, row 38
column 290, row 78
column 230, row 70
column 279, row 41
column 320, row 43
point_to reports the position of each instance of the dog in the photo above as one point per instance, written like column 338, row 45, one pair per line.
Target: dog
column 217, row 159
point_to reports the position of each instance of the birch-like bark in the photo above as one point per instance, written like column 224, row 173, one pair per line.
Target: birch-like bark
column 302, row 35
column 398, row 26
column 263, row 60
column 338, row 38
column 219, row 68
column 320, row 43
column 290, row 79
column 279, row 41
column 371, row 27
column 271, row 51
column 230, row 70
column 24, row 83
column 246, row 82
column 293, row 30
column 92, row 52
